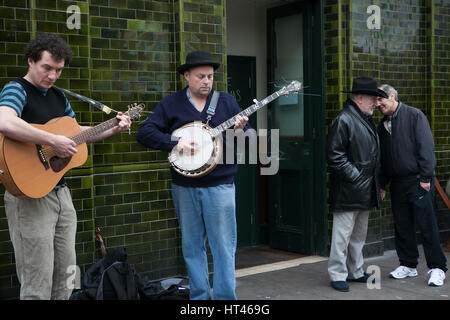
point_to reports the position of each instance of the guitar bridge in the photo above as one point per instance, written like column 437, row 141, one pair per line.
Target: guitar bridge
column 42, row 157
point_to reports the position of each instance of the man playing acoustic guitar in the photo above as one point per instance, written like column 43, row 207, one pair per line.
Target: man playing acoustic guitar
column 205, row 205
column 43, row 230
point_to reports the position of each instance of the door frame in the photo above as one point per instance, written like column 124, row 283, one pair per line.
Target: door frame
column 315, row 127
column 248, row 222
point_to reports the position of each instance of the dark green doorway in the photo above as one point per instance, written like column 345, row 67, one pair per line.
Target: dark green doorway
column 241, row 71
column 297, row 202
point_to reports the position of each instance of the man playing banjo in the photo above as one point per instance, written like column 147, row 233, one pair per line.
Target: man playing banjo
column 205, row 203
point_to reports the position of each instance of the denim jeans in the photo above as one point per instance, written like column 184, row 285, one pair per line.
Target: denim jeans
column 208, row 213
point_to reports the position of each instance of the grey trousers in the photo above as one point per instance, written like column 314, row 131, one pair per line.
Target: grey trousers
column 43, row 233
column 347, row 241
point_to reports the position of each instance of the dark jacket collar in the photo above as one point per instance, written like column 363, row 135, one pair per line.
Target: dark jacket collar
column 396, row 110
column 367, row 120
column 357, row 110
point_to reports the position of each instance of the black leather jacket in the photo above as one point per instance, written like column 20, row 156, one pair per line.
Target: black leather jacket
column 353, row 156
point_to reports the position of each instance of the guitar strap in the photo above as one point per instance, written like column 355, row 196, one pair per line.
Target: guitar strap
column 212, row 106
column 97, row 104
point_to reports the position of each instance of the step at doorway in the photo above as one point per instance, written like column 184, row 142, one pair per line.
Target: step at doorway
column 261, row 255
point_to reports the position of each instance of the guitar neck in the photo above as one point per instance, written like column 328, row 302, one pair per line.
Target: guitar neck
column 247, row 112
column 92, row 132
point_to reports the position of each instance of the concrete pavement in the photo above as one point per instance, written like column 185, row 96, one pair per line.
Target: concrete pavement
column 307, row 279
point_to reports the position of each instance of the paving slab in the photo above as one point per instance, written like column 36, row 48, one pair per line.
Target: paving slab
column 307, row 279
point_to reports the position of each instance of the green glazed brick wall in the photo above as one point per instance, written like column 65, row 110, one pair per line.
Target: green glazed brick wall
column 396, row 54
column 439, row 34
column 201, row 25
column 410, row 52
column 125, row 52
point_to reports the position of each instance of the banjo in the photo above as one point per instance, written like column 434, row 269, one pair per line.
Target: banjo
column 208, row 141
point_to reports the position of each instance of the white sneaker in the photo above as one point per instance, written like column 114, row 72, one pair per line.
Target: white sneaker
column 437, row 277
column 403, row 272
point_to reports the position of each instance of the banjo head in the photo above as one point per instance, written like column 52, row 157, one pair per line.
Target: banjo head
column 207, row 150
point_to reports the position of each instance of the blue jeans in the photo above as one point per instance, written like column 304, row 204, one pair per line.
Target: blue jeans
column 208, row 212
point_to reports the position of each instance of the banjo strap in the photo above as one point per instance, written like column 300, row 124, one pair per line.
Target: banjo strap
column 212, row 106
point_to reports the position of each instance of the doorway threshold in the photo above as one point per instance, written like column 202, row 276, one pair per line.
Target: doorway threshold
column 262, row 259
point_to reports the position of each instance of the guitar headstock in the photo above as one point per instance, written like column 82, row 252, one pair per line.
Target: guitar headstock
column 294, row 86
column 134, row 110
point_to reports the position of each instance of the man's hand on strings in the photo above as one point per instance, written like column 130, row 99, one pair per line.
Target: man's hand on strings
column 186, row 146
column 240, row 122
column 124, row 122
column 63, row 146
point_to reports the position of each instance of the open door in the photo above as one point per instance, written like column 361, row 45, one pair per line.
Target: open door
column 293, row 204
column 241, row 72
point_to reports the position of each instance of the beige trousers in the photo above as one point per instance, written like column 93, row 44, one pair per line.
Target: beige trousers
column 347, row 241
column 43, row 232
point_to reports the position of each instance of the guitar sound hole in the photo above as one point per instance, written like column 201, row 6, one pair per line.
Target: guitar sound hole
column 58, row 164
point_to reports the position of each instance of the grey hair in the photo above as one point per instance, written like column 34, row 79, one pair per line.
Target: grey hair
column 389, row 89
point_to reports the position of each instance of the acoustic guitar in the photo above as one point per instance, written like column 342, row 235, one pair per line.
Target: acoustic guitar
column 33, row 171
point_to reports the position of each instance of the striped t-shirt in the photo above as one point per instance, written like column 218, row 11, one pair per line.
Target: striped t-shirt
column 14, row 96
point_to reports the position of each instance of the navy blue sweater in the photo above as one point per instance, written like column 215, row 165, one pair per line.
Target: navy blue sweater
column 176, row 110
column 409, row 150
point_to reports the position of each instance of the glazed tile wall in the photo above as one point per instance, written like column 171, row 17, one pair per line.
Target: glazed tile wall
column 124, row 52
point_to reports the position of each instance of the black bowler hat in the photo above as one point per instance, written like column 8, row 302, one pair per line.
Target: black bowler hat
column 196, row 59
column 367, row 85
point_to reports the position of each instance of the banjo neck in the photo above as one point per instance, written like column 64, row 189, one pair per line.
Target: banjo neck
column 253, row 108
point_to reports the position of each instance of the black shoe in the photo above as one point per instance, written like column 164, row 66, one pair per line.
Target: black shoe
column 340, row 286
column 363, row 278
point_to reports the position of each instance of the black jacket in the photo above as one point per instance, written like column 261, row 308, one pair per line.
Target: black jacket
column 353, row 150
column 409, row 150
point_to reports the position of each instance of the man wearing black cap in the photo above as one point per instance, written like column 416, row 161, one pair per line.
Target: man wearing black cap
column 353, row 151
column 205, row 205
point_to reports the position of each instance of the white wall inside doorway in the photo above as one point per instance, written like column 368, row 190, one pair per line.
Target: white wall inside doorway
column 246, row 36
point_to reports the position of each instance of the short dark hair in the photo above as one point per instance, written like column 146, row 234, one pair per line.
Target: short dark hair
column 50, row 42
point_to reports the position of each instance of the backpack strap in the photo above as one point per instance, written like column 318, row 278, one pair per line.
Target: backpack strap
column 114, row 277
column 132, row 290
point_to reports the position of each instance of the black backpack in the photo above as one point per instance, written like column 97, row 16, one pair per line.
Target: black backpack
column 118, row 283
column 111, row 278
